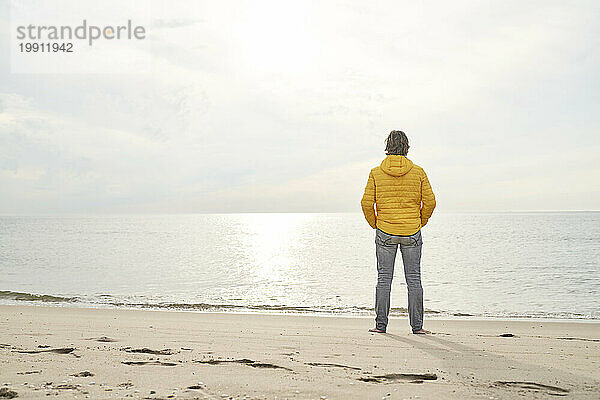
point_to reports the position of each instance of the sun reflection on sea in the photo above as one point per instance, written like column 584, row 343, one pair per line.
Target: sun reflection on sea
column 272, row 239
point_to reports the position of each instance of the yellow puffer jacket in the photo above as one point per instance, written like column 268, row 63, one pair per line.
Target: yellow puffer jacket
column 403, row 196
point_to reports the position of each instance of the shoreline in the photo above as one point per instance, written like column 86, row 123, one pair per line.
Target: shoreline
column 133, row 353
column 293, row 311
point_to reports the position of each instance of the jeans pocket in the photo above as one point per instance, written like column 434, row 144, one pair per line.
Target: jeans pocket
column 417, row 239
column 382, row 238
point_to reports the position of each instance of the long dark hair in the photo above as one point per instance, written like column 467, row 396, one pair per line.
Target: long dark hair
column 396, row 143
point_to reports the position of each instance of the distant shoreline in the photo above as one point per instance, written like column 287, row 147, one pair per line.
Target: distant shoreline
column 288, row 310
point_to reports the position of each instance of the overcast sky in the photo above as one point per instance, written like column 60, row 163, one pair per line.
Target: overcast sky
column 284, row 106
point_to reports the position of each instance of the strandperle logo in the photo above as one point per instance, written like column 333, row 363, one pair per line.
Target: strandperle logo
column 84, row 31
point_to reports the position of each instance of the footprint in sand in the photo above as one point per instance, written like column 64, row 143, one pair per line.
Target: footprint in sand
column 29, row 372
column 63, row 350
column 83, row 374
column 244, row 361
column 155, row 362
column 390, row 378
column 552, row 390
column 102, row 339
column 315, row 364
column 145, row 350
column 6, row 393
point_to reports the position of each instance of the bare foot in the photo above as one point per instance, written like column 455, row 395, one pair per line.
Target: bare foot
column 421, row 332
column 375, row 330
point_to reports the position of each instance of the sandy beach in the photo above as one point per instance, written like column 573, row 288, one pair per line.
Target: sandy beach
column 113, row 353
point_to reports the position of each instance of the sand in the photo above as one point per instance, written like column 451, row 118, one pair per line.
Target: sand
column 108, row 353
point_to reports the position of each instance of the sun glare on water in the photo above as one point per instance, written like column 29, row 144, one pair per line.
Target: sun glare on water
column 270, row 245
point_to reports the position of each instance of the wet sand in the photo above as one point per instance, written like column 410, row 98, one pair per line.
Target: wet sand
column 101, row 353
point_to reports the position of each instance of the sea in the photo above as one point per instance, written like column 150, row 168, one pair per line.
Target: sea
column 474, row 265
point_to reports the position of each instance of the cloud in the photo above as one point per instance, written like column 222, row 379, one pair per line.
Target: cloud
column 174, row 23
column 260, row 107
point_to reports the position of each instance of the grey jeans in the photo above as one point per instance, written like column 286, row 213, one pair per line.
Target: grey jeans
column 386, row 247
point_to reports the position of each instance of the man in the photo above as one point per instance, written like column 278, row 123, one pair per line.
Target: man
column 404, row 202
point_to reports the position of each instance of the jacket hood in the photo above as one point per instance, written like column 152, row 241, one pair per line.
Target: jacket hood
column 395, row 165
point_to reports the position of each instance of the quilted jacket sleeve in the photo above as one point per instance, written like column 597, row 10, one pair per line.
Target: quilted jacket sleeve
column 427, row 200
column 368, row 201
